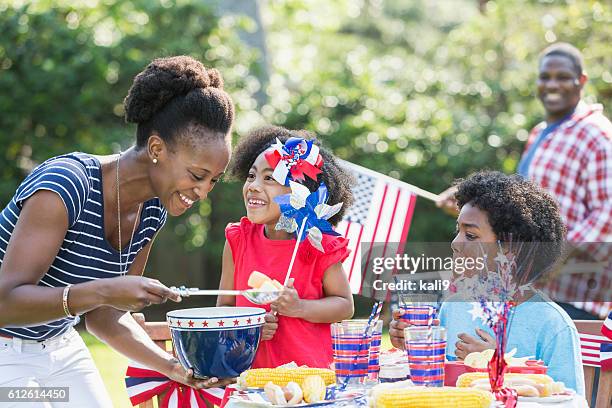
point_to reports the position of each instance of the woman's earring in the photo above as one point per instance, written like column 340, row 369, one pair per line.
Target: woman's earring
column 155, row 160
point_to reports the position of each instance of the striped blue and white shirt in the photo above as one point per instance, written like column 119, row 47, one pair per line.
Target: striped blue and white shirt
column 85, row 253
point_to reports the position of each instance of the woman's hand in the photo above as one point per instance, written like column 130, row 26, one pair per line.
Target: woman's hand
column 468, row 344
column 288, row 303
column 396, row 330
column 179, row 374
column 270, row 326
column 133, row 293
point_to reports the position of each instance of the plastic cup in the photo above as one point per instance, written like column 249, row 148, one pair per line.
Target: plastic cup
column 351, row 340
column 417, row 312
column 426, row 348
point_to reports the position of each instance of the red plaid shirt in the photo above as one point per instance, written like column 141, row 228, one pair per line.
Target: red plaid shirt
column 574, row 163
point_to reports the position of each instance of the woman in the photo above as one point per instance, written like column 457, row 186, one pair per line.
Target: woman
column 492, row 206
column 75, row 238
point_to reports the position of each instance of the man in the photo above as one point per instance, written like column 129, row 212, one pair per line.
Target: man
column 570, row 155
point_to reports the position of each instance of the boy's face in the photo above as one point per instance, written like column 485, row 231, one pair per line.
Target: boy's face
column 475, row 236
column 259, row 191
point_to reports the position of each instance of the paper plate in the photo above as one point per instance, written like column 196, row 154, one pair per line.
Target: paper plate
column 257, row 399
column 553, row 399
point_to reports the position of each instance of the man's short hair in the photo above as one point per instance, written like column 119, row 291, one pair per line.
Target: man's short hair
column 565, row 50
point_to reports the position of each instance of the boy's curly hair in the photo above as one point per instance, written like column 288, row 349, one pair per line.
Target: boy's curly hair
column 337, row 180
column 517, row 208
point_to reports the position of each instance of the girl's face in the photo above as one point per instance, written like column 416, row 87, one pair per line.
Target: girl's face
column 259, row 191
column 189, row 172
column 475, row 237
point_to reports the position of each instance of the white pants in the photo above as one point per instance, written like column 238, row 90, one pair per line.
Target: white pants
column 63, row 361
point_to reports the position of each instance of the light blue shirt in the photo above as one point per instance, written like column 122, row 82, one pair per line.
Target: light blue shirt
column 538, row 328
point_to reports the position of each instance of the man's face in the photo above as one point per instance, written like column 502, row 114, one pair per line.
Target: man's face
column 559, row 85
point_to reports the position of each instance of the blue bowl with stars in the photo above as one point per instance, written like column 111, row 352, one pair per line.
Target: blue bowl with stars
column 216, row 341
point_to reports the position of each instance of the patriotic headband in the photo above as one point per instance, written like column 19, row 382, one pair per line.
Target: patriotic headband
column 294, row 160
column 143, row 384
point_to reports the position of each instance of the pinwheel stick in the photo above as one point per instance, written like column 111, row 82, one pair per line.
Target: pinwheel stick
column 297, row 244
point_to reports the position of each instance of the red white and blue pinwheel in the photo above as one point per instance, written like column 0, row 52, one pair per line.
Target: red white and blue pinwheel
column 294, row 160
column 308, row 210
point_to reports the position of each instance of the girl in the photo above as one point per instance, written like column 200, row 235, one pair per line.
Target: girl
column 74, row 239
column 492, row 205
column 319, row 292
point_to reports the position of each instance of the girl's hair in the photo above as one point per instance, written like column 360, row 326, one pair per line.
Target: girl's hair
column 337, row 180
column 519, row 209
column 174, row 94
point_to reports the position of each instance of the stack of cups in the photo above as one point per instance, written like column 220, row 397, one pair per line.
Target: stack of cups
column 425, row 342
column 374, row 356
column 351, row 341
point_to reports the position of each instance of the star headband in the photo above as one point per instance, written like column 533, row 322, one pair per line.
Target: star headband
column 294, row 160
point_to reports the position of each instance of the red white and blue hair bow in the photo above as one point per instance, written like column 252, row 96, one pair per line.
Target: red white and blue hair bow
column 143, row 384
column 311, row 209
column 294, row 160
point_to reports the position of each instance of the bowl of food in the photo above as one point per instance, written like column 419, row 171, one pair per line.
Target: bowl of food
column 216, row 341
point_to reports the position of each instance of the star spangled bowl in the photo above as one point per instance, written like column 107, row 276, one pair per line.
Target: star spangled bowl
column 216, row 341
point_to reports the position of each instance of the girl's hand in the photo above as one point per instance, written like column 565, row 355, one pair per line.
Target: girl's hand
column 468, row 344
column 270, row 326
column 396, row 330
column 288, row 303
column 179, row 374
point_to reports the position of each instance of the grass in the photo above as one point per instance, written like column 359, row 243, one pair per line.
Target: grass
column 112, row 366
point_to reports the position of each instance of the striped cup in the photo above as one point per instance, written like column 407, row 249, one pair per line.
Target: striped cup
column 426, row 348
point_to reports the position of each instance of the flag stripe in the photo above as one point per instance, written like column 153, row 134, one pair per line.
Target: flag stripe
column 407, row 223
column 397, row 199
column 380, row 210
column 356, row 250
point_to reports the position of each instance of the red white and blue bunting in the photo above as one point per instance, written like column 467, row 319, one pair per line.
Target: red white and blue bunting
column 143, row 384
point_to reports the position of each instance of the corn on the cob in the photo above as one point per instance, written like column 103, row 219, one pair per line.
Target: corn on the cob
column 258, row 377
column 466, row 379
column 445, row 397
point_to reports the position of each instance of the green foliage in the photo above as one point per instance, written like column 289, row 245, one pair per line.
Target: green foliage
column 425, row 91
column 65, row 68
column 420, row 91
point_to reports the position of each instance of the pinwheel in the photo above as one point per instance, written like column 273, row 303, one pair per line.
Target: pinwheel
column 308, row 210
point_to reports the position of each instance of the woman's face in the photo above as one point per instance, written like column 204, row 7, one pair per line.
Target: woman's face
column 188, row 172
column 259, row 191
column 475, row 237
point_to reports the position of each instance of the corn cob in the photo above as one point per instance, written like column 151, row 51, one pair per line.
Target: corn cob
column 445, row 397
column 466, row 379
column 258, row 377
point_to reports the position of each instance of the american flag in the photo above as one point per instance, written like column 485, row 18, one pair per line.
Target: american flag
column 605, row 350
column 381, row 214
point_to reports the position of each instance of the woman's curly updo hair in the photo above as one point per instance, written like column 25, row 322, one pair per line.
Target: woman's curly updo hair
column 174, row 94
column 337, row 180
column 518, row 209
